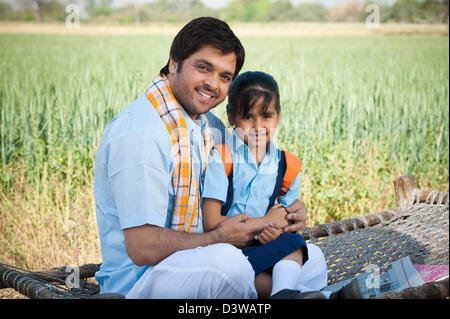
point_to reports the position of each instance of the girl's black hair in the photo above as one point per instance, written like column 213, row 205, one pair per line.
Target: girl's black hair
column 249, row 88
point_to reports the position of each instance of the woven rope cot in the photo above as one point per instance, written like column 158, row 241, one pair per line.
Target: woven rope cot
column 418, row 227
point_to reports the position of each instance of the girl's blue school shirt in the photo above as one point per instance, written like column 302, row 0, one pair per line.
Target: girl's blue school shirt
column 252, row 185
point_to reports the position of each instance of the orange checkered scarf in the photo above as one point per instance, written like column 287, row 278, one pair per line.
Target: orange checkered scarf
column 184, row 178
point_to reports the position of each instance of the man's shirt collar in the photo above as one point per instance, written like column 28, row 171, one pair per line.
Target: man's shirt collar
column 199, row 122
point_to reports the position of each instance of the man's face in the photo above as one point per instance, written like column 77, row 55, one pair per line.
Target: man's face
column 203, row 81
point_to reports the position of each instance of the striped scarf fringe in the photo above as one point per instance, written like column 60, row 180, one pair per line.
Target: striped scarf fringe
column 185, row 215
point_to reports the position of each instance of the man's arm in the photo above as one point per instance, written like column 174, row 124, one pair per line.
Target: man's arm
column 149, row 244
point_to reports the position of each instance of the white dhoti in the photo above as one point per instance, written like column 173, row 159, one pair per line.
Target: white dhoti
column 219, row 271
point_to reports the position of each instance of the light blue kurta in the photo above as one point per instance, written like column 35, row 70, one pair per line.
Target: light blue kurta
column 133, row 183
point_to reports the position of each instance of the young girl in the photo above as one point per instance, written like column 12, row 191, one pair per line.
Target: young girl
column 243, row 174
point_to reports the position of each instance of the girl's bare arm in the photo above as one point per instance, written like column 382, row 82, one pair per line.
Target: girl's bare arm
column 212, row 217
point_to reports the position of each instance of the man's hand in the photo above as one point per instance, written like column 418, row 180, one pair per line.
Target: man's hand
column 234, row 231
column 269, row 234
column 297, row 215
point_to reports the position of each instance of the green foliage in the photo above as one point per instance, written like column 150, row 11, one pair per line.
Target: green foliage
column 414, row 11
column 101, row 11
column 357, row 111
column 43, row 11
column 247, row 10
column 6, row 11
column 281, row 10
column 179, row 11
column 309, row 12
column 256, row 10
column 406, row 11
column 172, row 11
column 28, row 17
column 235, row 11
column 52, row 10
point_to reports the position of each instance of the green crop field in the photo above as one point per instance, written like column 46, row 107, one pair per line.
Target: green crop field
column 358, row 111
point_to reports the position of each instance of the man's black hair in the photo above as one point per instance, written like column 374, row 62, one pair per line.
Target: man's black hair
column 205, row 31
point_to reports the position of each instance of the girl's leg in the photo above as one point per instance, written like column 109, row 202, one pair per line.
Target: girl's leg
column 314, row 271
column 296, row 256
column 291, row 247
column 287, row 272
column 263, row 284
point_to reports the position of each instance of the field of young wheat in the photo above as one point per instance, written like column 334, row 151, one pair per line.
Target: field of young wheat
column 358, row 111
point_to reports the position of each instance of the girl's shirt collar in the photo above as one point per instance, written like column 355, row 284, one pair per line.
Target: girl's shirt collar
column 237, row 145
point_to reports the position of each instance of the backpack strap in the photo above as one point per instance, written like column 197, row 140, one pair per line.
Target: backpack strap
column 227, row 159
column 279, row 180
column 293, row 166
column 288, row 168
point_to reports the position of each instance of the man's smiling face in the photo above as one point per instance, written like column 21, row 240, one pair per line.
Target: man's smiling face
column 203, row 81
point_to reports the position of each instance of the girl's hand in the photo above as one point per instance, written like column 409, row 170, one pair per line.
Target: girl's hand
column 269, row 234
column 277, row 214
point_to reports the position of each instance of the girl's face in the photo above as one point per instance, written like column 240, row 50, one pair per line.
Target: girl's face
column 257, row 127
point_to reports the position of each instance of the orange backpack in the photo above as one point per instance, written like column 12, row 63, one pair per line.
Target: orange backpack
column 288, row 168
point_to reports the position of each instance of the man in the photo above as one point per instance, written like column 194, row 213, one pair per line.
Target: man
column 148, row 181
